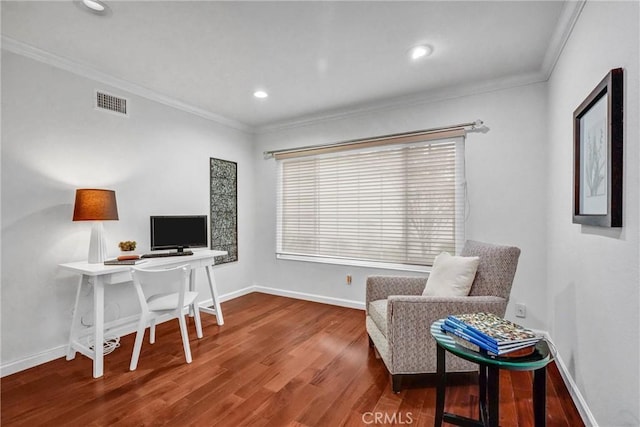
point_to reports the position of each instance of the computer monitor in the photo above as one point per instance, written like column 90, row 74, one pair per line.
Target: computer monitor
column 178, row 232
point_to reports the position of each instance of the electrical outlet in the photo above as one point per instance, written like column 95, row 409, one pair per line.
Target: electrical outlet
column 521, row 310
column 348, row 279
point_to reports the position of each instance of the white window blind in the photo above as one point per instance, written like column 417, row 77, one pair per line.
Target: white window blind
column 399, row 204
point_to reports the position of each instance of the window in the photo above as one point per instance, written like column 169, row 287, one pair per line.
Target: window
column 390, row 206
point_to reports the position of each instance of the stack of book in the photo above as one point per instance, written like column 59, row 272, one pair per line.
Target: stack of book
column 491, row 333
column 125, row 260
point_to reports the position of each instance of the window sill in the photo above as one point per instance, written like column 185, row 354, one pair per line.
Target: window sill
column 356, row 263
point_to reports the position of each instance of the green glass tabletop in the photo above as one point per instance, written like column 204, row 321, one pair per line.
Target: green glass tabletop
column 536, row 360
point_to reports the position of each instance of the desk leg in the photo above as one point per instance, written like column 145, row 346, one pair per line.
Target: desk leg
column 539, row 397
column 98, row 327
column 192, row 286
column 441, row 387
column 193, row 310
column 214, row 295
column 71, row 353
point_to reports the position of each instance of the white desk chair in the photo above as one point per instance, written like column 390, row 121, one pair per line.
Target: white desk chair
column 163, row 304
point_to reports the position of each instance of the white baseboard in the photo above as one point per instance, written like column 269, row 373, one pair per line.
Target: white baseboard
column 581, row 404
column 230, row 295
column 33, row 360
column 119, row 327
column 310, row 297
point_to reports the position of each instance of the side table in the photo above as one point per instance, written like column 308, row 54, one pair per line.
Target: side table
column 488, row 379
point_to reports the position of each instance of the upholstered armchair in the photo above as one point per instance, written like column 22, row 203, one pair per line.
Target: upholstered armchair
column 398, row 316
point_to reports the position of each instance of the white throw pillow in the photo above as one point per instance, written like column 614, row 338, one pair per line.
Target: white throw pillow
column 451, row 276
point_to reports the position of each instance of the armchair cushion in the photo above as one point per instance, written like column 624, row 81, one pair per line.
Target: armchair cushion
column 380, row 287
column 378, row 313
column 451, row 276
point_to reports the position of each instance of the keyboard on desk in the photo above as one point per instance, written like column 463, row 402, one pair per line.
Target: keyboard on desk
column 166, row 254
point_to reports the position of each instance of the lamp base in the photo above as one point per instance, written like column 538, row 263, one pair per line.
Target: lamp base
column 97, row 244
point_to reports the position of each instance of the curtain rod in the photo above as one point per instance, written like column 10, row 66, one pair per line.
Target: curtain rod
column 471, row 126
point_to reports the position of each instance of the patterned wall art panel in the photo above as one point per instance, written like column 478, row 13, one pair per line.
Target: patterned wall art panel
column 224, row 209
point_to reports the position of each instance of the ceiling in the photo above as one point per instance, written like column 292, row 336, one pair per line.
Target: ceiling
column 313, row 58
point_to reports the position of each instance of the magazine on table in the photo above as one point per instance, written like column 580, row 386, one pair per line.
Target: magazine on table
column 464, row 339
column 493, row 329
column 470, row 334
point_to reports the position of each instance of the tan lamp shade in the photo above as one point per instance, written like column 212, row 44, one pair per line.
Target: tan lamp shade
column 95, row 205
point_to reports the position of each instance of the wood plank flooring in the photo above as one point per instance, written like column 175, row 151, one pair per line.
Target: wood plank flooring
column 276, row 362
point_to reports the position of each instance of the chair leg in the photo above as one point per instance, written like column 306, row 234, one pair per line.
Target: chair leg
column 185, row 337
column 137, row 346
column 396, row 383
column 196, row 318
column 152, row 331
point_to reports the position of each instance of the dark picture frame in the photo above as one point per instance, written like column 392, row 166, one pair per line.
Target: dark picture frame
column 224, row 208
column 598, row 154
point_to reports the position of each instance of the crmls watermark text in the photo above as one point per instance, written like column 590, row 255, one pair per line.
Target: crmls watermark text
column 385, row 418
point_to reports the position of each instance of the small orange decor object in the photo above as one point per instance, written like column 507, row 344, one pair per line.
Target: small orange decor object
column 128, row 257
column 129, row 245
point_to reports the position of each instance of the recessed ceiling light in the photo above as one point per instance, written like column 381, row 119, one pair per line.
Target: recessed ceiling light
column 260, row 94
column 420, row 51
column 96, row 5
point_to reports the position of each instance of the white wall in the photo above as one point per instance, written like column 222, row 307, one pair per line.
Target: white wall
column 593, row 275
column 580, row 283
column 506, row 173
column 53, row 141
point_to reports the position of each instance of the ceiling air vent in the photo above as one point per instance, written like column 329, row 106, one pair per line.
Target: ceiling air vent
column 111, row 103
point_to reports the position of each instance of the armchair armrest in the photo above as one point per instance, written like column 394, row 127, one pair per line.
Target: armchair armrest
column 381, row 287
column 409, row 319
column 413, row 308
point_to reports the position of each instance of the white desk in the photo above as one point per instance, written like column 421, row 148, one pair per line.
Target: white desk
column 99, row 275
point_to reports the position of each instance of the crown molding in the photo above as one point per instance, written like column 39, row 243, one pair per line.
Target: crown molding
column 421, row 98
column 11, row 45
column 567, row 20
column 568, row 17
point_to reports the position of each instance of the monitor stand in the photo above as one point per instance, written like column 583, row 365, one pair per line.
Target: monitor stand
column 181, row 251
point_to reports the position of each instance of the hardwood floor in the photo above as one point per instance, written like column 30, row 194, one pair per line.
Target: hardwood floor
column 276, row 362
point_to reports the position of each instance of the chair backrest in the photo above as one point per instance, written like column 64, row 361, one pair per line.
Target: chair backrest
column 496, row 269
column 148, row 282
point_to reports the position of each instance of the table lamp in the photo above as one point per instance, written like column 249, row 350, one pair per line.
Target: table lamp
column 97, row 206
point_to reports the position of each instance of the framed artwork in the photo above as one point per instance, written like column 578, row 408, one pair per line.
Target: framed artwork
column 224, row 209
column 597, row 154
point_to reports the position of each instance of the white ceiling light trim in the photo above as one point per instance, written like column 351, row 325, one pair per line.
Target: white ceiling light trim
column 420, row 51
column 260, row 94
column 95, row 5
